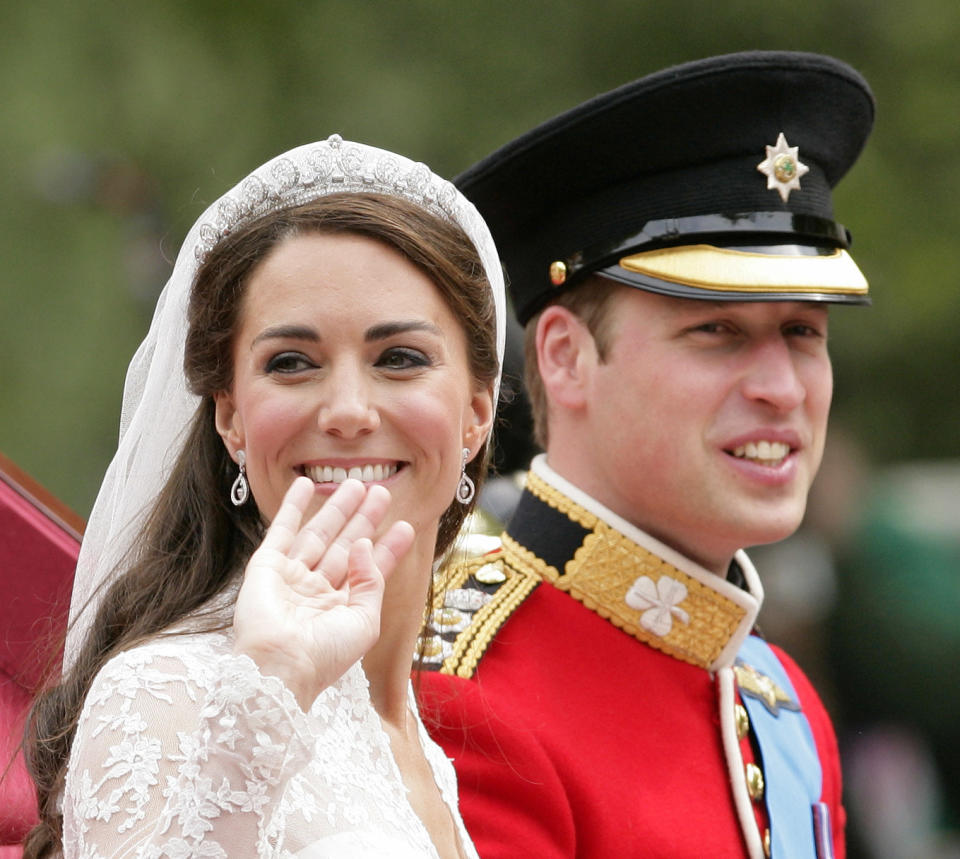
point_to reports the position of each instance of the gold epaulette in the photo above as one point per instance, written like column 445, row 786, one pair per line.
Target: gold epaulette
column 477, row 597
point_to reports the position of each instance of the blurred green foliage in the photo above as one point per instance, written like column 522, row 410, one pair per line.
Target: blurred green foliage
column 122, row 121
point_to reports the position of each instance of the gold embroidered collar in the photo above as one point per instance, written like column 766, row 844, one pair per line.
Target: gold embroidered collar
column 565, row 537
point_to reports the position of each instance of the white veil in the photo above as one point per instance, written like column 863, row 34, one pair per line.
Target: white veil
column 157, row 407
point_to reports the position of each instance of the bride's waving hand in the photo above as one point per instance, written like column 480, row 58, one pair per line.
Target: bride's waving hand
column 309, row 606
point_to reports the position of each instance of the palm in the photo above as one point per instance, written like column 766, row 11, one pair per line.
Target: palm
column 309, row 605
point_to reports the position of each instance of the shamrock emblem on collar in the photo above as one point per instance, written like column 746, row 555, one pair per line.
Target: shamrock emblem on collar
column 659, row 603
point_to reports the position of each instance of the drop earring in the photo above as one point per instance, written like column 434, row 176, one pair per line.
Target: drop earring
column 465, row 488
column 240, row 490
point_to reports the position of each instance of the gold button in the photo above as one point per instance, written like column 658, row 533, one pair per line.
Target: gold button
column 743, row 721
column 558, row 272
column 754, row 782
column 766, row 843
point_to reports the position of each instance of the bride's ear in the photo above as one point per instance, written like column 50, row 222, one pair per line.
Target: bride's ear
column 228, row 423
column 480, row 419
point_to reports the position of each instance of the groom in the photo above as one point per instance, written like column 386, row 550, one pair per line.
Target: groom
column 599, row 680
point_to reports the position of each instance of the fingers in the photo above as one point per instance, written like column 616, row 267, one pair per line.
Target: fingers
column 351, row 513
column 361, row 525
column 317, row 536
column 369, row 566
column 367, row 518
column 364, row 579
column 392, row 546
column 286, row 524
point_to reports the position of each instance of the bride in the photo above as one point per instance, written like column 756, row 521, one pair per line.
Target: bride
column 302, row 433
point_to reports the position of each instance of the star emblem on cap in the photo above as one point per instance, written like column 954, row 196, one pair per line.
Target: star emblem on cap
column 783, row 168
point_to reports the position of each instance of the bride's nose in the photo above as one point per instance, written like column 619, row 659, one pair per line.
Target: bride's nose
column 347, row 409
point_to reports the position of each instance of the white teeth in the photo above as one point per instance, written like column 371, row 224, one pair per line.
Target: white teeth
column 366, row 473
column 766, row 452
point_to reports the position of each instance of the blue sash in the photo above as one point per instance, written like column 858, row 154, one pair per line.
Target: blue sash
column 792, row 774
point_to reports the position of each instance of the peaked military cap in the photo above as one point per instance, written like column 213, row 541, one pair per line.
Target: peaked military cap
column 707, row 180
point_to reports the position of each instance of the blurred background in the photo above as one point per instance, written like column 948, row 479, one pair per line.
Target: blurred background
column 121, row 122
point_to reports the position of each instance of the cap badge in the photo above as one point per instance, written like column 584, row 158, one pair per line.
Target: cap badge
column 783, row 168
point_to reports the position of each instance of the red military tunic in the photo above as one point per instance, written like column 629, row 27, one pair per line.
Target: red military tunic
column 592, row 705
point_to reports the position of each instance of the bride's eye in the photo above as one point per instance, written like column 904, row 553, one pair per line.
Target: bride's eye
column 288, row 362
column 403, row 358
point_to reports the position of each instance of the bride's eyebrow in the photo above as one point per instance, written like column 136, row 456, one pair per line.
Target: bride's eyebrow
column 287, row 332
column 389, row 329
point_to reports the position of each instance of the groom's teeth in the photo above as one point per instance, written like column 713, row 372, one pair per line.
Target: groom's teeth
column 765, row 452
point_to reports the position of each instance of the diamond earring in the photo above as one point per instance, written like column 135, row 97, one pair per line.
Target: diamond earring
column 465, row 488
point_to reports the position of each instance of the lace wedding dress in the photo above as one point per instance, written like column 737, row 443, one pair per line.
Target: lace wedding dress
column 184, row 749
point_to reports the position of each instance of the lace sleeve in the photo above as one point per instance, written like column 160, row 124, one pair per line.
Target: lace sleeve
column 180, row 751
